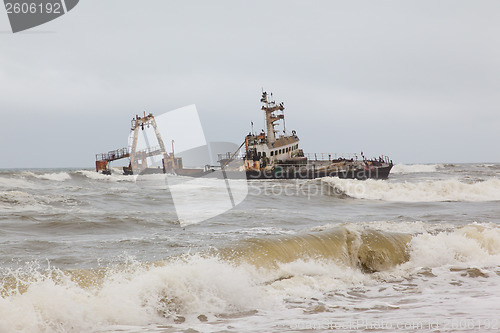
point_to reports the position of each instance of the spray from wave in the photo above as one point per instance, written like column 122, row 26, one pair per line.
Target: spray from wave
column 425, row 191
column 414, row 168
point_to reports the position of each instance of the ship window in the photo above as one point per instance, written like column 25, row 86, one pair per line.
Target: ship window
column 272, row 153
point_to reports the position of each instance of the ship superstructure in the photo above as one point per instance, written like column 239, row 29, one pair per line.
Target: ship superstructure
column 275, row 154
column 265, row 149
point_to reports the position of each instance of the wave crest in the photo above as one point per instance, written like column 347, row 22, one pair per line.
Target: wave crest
column 475, row 245
column 425, row 191
column 114, row 177
column 54, row 176
column 414, row 168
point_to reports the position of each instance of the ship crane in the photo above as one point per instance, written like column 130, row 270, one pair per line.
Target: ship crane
column 138, row 158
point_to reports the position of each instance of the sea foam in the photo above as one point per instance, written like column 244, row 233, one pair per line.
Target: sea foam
column 423, row 191
column 114, row 177
column 414, row 168
column 54, row 176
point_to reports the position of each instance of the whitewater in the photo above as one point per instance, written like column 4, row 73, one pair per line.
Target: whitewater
column 85, row 252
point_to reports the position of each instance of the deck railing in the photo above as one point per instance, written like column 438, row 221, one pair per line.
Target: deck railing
column 112, row 155
column 331, row 156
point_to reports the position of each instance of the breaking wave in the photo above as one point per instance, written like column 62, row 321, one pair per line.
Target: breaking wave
column 473, row 245
column 11, row 183
column 114, row 177
column 55, row 176
column 369, row 250
column 424, row 191
column 20, row 200
column 414, row 168
column 253, row 274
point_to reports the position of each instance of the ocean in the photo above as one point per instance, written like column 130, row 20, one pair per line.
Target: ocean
column 85, row 252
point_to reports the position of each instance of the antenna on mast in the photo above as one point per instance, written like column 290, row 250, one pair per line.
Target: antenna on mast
column 282, row 108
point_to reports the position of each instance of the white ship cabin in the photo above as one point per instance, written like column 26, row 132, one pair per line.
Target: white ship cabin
column 281, row 150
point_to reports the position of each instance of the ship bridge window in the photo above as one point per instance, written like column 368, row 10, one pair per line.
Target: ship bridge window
column 272, row 153
column 280, row 151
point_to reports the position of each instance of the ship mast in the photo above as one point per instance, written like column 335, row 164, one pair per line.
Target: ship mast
column 270, row 108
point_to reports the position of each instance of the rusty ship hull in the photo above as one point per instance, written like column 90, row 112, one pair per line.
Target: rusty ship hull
column 381, row 172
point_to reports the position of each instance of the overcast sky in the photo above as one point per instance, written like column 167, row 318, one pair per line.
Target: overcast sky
column 416, row 80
